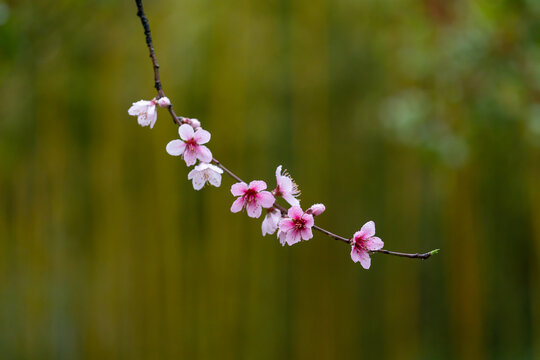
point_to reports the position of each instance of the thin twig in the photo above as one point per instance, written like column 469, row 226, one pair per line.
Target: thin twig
column 178, row 120
column 157, row 82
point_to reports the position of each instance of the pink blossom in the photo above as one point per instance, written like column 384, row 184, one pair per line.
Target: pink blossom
column 145, row 111
column 204, row 173
column 271, row 221
column 286, row 188
column 164, row 101
column 296, row 227
column 191, row 147
column 363, row 242
column 316, row 209
column 252, row 197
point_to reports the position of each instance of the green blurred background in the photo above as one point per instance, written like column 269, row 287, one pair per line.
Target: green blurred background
column 423, row 116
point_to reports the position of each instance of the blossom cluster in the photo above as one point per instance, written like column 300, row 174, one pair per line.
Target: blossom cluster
column 292, row 225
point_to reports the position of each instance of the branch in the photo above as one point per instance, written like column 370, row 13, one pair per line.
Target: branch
column 178, row 120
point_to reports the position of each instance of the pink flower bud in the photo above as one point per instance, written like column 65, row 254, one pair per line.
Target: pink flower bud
column 316, row 209
column 164, row 102
column 195, row 123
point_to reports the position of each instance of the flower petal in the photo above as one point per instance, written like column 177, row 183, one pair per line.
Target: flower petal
column 215, row 179
column 239, row 188
column 308, row 218
column 367, row 231
column 151, row 115
column 176, row 147
column 365, row 260
column 269, row 224
column 295, row 212
column 185, row 131
column 293, row 237
column 254, row 209
column 282, row 237
column 306, row 233
column 215, row 168
column 374, row 243
column 190, row 156
column 285, row 225
column 138, row 107
column 265, row 199
column 237, row 205
column 192, row 173
column 204, row 154
column 198, row 181
column 278, row 171
column 201, row 136
column 355, row 254
column 257, row 185
column 288, row 197
column 285, row 184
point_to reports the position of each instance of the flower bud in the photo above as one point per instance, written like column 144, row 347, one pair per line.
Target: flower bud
column 316, row 209
column 164, row 101
column 195, row 123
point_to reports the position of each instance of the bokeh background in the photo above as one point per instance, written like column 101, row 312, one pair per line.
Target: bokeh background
column 423, row 116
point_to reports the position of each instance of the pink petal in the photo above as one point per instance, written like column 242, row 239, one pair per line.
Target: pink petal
column 365, row 260
column 185, row 131
column 265, row 199
column 367, row 231
column 306, row 233
column 190, row 157
column 257, row 185
column 293, row 237
column 201, row 136
column 355, row 254
column 286, row 225
column 295, row 212
column 254, row 210
column 176, row 147
column 237, row 205
column 362, row 256
column 239, row 189
column 204, row 154
column 374, row 243
column 308, row 218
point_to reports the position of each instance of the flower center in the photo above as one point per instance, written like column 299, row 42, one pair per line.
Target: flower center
column 360, row 244
column 299, row 223
column 191, row 143
column 250, row 195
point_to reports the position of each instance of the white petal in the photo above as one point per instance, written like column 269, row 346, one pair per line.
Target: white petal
column 198, row 182
column 215, row 179
column 192, row 173
column 176, row 147
column 185, row 131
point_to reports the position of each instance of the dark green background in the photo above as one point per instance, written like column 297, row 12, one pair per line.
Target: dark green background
column 423, row 116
